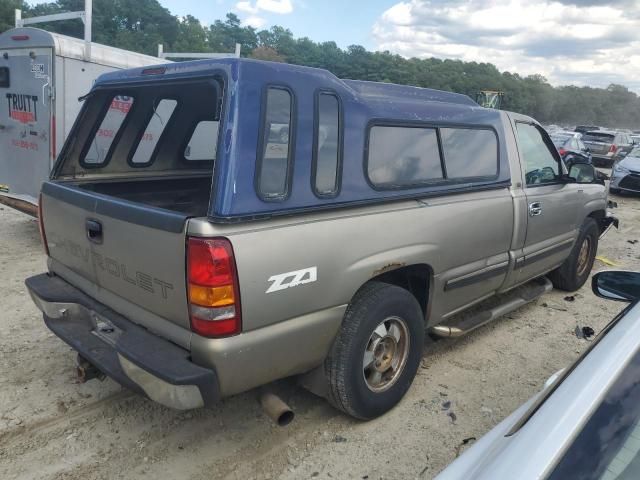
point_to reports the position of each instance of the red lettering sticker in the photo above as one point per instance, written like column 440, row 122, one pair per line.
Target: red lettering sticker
column 23, row 117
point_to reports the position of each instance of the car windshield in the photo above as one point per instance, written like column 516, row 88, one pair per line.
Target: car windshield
column 598, row 137
column 608, row 447
column 635, row 152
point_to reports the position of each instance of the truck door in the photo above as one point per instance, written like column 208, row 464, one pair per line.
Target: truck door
column 25, row 121
column 553, row 206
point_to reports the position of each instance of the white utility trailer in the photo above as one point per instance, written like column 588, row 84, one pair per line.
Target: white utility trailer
column 42, row 76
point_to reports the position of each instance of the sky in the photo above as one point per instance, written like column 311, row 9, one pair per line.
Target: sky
column 582, row 42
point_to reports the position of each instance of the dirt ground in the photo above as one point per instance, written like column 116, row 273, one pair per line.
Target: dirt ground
column 53, row 427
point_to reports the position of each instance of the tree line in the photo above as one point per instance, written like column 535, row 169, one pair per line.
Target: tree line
column 140, row 25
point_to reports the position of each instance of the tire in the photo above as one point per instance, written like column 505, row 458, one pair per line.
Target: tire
column 366, row 393
column 575, row 270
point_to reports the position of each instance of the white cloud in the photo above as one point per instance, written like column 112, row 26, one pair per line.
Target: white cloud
column 568, row 41
column 273, row 6
column 254, row 21
column 246, row 7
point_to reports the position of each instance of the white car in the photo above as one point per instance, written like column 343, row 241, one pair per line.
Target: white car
column 585, row 423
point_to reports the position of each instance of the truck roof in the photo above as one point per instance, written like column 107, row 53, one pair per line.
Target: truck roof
column 373, row 91
column 70, row 47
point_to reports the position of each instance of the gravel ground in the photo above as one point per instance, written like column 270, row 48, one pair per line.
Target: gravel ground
column 52, row 427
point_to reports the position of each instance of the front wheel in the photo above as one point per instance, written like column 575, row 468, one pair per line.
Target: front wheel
column 377, row 352
column 575, row 270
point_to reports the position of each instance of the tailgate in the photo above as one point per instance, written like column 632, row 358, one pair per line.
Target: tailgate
column 598, row 144
column 598, row 147
column 135, row 252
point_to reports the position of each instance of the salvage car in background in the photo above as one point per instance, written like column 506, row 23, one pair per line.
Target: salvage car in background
column 625, row 175
column 607, row 146
column 570, row 147
column 585, row 423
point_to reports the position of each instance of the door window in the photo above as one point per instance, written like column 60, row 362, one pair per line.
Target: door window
column 541, row 166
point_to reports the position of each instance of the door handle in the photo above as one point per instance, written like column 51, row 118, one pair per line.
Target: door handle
column 535, row 209
column 94, row 231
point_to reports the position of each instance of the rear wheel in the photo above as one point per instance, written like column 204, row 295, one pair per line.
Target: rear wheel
column 575, row 270
column 377, row 352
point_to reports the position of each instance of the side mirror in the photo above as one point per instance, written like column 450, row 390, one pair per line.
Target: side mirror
column 583, row 172
column 617, row 285
column 587, row 149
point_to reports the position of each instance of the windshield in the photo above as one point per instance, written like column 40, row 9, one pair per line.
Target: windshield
column 608, row 447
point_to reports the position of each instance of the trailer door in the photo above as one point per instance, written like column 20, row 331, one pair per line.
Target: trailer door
column 26, row 136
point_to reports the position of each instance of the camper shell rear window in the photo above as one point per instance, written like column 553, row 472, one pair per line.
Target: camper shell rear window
column 158, row 127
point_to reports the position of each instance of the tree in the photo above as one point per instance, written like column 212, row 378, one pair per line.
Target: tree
column 7, row 13
column 139, row 25
column 223, row 36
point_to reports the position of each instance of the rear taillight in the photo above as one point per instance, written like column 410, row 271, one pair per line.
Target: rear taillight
column 562, row 151
column 214, row 296
column 613, row 149
column 43, row 236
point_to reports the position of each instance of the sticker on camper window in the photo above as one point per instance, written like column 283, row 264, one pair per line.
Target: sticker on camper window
column 22, row 108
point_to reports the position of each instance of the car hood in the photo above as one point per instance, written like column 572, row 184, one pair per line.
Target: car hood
column 632, row 163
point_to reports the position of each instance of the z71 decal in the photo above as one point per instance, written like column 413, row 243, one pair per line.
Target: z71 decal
column 282, row 281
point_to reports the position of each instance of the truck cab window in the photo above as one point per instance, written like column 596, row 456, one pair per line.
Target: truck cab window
column 276, row 144
column 541, row 166
column 112, row 121
column 159, row 118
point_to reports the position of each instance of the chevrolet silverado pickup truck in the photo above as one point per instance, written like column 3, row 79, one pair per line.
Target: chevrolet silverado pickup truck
column 214, row 226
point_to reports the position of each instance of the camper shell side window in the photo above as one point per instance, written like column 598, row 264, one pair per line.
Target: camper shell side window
column 275, row 151
column 402, row 156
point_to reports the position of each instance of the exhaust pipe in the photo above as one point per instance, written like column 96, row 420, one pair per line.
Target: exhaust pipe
column 276, row 409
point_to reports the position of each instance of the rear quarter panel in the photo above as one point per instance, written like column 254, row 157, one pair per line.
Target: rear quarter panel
column 340, row 251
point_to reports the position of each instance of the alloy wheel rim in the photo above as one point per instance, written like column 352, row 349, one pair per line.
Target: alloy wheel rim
column 385, row 354
column 583, row 256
